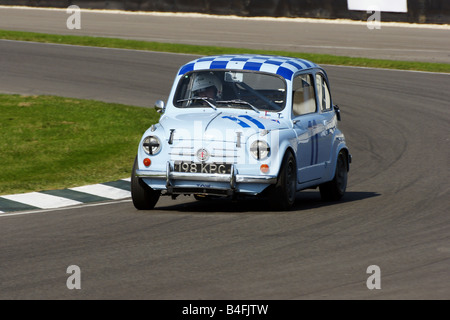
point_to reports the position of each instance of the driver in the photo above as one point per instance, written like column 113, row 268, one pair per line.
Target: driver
column 207, row 85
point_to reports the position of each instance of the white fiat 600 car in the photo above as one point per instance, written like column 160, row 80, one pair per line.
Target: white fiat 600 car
column 244, row 125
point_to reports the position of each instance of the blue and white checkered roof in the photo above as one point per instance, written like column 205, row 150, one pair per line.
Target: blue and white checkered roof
column 283, row 66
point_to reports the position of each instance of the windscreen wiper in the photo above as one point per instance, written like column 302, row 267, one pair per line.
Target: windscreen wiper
column 238, row 101
column 206, row 99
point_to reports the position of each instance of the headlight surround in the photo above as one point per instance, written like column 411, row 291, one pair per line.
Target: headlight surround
column 260, row 150
column 151, row 145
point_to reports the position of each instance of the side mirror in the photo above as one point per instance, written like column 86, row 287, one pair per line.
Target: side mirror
column 338, row 112
column 159, row 106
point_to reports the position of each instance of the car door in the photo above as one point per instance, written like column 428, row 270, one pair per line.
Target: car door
column 306, row 124
column 326, row 121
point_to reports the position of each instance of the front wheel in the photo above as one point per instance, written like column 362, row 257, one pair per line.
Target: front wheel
column 335, row 189
column 282, row 195
column 144, row 197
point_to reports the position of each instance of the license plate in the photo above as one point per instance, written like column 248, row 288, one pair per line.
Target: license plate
column 212, row 168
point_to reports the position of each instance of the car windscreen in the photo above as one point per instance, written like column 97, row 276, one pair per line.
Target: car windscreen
column 231, row 89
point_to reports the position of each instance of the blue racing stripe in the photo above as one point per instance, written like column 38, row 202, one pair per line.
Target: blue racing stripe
column 252, row 66
column 240, row 59
column 307, row 63
column 287, row 66
column 206, row 59
column 285, row 73
column 258, row 124
column 187, row 68
column 274, row 62
column 239, row 122
column 316, row 136
column 312, row 144
column 292, row 63
column 219, row 64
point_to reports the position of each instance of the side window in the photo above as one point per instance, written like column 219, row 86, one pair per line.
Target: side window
column 303, row 100
column 323, row 93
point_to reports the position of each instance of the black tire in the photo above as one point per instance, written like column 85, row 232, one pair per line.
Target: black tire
column 144, row 197
column 335, row 189
column 282, row 195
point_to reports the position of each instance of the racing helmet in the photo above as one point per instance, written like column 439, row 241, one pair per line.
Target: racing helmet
column 206, row 80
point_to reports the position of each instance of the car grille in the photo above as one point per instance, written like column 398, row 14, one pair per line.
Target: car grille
column 218, row 152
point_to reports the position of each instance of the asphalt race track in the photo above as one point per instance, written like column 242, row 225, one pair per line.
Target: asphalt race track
column 429, row 43
column 395, row 214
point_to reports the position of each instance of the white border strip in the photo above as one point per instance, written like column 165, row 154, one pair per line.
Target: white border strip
column 21, row 213
column 47, row 201
column 41, row 200
column 233, row 17
column 104, row 191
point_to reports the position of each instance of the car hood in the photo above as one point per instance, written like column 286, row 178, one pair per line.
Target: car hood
column 219, row 125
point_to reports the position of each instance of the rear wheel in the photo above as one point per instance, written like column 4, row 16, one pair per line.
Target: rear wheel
column 282, row 195
column 335, row 189
column 144, row 197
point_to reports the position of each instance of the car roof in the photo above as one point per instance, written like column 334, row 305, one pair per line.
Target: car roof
column 281, row 65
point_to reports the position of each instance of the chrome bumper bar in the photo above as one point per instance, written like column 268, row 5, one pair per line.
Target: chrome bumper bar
column 232, row 178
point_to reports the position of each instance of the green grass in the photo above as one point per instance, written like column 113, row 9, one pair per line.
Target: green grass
column 213, row 50
column 49, row 142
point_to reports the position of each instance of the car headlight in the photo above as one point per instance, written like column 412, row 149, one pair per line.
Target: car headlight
column 151, row 145
column 259, row 149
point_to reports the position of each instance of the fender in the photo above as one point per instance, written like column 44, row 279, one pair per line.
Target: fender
column 339, row 146
column 287, row 142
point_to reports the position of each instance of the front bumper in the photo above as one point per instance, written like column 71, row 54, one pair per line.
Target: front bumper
column 234, row 178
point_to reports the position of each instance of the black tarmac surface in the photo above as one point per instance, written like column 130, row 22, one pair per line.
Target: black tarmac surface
column 395, row 214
